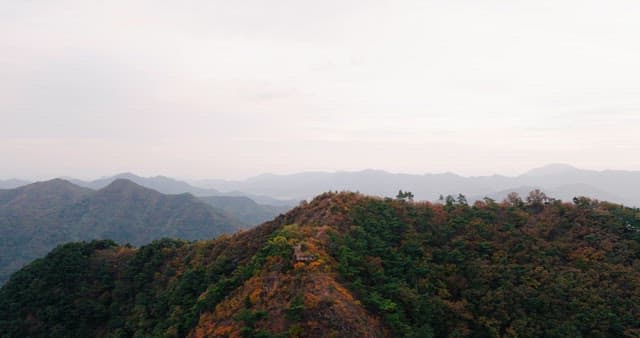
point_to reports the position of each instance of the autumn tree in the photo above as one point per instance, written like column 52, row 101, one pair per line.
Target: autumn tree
column 514, row 199
column 536, row 200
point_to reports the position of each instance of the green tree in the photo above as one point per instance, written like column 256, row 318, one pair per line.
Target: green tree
column 404, row 195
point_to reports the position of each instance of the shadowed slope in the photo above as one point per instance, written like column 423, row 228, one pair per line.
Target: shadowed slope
column 37, row 217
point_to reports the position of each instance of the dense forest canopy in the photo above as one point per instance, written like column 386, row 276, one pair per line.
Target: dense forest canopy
column 349, row 265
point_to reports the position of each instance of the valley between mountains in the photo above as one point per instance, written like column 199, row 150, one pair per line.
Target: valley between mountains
column 37, row 217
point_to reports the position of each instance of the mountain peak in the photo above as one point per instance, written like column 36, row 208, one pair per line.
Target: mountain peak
column 127, row 175
column 123, row 184
column 53, row 181
column 551, row 169
column 37, row 199
column 53, row 185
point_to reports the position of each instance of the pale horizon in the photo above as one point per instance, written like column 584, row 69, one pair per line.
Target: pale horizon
column 217, row 89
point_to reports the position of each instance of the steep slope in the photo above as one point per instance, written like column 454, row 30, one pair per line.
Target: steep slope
column 173, row 288
column 126, row 212
column 29, row 222
column 346, row 265
column 36, row 218
column 244, row 209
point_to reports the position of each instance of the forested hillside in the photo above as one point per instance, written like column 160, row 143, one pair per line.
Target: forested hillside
column 347, row 265
column 37, row 217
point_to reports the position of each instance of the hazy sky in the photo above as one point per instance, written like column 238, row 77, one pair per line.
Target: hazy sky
column 231, row 89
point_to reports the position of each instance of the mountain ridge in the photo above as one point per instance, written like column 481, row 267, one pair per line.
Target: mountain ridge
column 168, row 185
column 347, row 264
column 36, row 217
column 617, row 185
column 287, row 190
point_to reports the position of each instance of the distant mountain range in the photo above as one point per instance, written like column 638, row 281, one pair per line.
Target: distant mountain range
column 35, row 218
column 167, row 185
column 557, row 180
column 161, row 184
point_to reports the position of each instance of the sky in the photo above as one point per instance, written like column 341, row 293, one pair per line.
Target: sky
column 233, row 89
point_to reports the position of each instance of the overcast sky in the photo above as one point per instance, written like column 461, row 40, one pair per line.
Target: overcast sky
column 231, row 89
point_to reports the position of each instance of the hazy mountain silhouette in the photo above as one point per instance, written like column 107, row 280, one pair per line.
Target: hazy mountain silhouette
column 37, row 217
column 167, row 185
column 161, row 184
column 558, row 180
column 552, row 169
column 562, row 180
